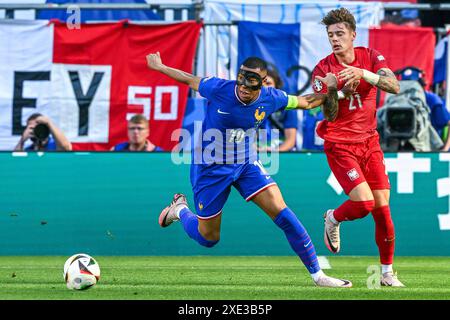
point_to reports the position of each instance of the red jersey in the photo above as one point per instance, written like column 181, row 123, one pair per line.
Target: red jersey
column 356, row 120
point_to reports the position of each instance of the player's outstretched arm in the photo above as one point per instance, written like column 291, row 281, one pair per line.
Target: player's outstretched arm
column 311, row 101
column 384, row 79
column 154, row 62
column 328, row 101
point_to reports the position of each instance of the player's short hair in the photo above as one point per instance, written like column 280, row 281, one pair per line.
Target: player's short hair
column 139, row 118
column 255, row 63
column 340, row 15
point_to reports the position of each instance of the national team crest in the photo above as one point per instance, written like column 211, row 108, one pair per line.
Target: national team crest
column 317, row 85
column 259, row 116
column 353, row 174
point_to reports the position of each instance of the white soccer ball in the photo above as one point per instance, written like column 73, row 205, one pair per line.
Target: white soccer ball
column 81, row 271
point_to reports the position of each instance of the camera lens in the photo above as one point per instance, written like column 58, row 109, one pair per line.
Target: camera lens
column 41, row 131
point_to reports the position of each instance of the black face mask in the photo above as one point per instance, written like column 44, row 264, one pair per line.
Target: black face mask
column 248, row 80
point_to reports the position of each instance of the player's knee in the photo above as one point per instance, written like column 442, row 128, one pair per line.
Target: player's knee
column 209, row 239
column 367, row 207
column 381, row 198
column 209, row 243
column 363, row 208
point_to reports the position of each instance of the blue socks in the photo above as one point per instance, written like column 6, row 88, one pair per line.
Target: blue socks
column 295, row 233
column 298, row 239
column 190, row 225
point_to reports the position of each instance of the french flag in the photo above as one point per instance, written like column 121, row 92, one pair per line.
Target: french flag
column 294, row 49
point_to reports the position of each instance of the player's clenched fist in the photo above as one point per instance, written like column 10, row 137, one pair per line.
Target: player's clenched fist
column 154, row 61
column 349, row 88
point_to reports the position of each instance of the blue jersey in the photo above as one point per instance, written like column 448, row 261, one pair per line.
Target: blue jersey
column 230, row 125
column 125, row 146
column 311, row 141
column 280, row 120
column 439, row 113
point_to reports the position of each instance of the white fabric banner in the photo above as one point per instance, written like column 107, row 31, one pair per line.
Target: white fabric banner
column 26, row 54
column 65, row 102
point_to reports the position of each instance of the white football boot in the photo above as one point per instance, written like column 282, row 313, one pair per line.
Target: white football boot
column 169, row 214
column 389, row 279
column 327, row 281
column 331, row 233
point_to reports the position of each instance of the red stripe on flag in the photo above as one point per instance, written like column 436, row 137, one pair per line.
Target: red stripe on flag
column 124, row 47
column 404, row 46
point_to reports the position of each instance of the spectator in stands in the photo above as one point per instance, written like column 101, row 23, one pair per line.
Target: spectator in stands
column 440, row 116
column 44, row 135
column 410, row 17
column 442, row 87
column 446, row 131
column 405, row 17
column 310, row 140
column 138, row 131
column 285, row 121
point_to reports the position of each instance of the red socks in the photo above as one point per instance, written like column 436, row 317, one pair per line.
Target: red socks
column 351, row 210
column 384, row 227
column 384, row 234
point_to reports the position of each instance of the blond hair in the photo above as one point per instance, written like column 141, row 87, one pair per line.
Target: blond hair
column 139, row 118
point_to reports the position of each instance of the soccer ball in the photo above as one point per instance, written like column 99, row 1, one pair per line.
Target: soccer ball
column 81, row 271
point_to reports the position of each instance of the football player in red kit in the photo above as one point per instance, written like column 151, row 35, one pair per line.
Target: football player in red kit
column 351, row 139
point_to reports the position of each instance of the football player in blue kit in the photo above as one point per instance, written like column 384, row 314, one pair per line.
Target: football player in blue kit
column 234, row 112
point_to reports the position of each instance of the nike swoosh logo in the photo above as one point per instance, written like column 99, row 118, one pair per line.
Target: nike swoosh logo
column 346, row 283
column 267, row 177
column 329, row 242
column 221, row 112
column 305, row 245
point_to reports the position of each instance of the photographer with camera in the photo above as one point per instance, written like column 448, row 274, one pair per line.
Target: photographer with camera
column 45, row 136
column 413, row 119
column 439, row 115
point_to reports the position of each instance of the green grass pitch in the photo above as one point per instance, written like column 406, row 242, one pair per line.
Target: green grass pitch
column 219, row 278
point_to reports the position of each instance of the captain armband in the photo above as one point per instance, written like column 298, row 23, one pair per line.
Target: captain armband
column 292, row 103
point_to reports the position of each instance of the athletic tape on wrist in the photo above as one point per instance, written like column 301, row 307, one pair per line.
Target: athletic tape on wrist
column 371, row 77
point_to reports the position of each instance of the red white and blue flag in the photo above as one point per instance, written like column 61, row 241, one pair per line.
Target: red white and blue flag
column 296, row 48
column 90, row 80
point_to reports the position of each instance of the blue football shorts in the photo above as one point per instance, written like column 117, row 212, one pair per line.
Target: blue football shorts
column 211, row 185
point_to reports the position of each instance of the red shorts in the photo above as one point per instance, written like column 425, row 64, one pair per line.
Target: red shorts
column 354, row 163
